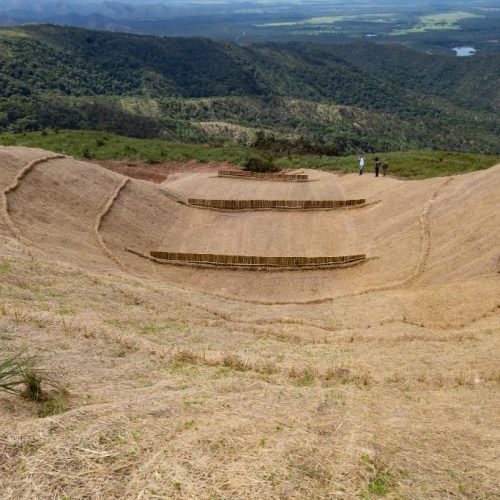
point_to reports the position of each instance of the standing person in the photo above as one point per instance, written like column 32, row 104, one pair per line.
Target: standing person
column 361, row 164
column 385, row 167
column 377, row 166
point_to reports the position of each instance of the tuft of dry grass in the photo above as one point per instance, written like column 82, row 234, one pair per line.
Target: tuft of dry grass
column 19, row 376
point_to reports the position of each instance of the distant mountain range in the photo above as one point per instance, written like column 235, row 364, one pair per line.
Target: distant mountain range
column 107, row 15
column 360, row 95
column 138, row 17
column 435, row 28
column 44, row 9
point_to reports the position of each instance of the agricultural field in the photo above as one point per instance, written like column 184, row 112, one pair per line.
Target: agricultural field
column 440, row 22
column 320, row 21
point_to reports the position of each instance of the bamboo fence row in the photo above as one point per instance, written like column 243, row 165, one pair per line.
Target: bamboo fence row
column 262, row 175
column 276, row 204
column 252, row 260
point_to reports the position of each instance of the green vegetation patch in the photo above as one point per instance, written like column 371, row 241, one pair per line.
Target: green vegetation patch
column 141, row 106
column 13, row 33
column 406, row 164
column 448, row 21
column 318, row 21
column 103, row 146
column 5, row 267
column 199, row 90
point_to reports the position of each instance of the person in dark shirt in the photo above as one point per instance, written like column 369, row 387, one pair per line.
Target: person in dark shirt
column 377, row 166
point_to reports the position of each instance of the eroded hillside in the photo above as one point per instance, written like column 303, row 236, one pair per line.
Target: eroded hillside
column 197, row 382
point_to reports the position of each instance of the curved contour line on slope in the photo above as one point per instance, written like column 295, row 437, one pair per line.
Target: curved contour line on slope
column 98, row 222
column 12, row 187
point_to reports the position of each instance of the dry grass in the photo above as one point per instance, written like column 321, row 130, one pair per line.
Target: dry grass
column 4, row 211
column 176, row 390
column 100, row 216
column 212, row 411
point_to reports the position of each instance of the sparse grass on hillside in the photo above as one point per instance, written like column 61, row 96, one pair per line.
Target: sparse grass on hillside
column 104, row 146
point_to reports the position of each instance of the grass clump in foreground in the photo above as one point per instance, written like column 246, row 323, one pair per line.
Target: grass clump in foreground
column 93, row 145
column 18, row 376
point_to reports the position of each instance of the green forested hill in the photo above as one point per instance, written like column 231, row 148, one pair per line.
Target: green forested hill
column 354, row 96
column 79, row 63
column 472, row 81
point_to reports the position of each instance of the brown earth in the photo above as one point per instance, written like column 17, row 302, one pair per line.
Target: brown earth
column 158, row 172
column 210, row 383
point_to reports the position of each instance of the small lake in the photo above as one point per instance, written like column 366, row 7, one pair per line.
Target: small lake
column 464, row 51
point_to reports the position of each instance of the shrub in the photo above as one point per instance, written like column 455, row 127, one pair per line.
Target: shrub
column 86, row 153
column 260, row 165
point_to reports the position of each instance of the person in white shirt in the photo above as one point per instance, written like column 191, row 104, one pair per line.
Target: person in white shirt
column 361, row 164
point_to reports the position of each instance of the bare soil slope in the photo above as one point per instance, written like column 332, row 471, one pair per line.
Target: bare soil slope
column 214, row 383
column 321, row 186
column 159, row 172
